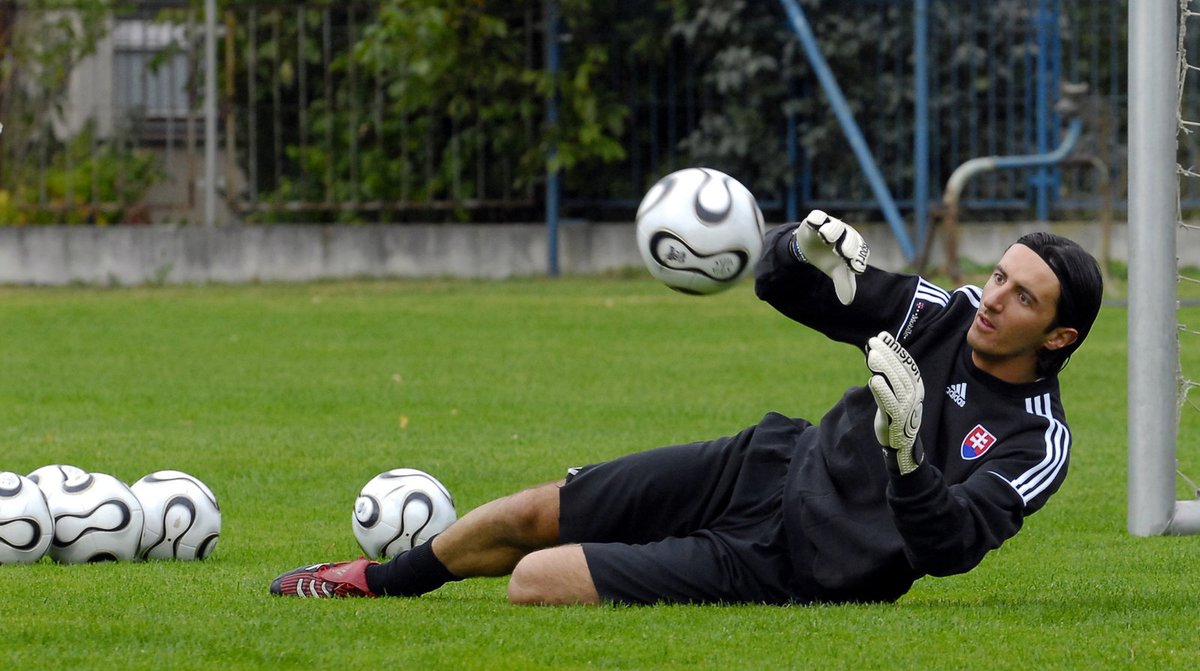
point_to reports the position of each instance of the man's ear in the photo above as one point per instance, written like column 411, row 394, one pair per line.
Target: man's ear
column 1060, row 337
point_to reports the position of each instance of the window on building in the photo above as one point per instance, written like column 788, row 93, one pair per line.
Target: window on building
column 151, row 78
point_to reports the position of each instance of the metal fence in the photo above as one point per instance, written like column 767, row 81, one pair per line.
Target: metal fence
column 308, row 133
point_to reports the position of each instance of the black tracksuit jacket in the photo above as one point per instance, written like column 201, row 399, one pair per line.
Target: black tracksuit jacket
column 994, row 451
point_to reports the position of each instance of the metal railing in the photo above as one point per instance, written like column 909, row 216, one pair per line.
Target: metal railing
column 307, row 130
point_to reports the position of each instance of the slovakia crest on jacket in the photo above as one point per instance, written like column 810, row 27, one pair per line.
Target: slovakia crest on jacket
column 977, row 442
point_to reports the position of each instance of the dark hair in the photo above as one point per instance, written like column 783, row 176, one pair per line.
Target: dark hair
column 1081, row 290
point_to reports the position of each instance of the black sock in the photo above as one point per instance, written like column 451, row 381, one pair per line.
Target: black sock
column 410, row 574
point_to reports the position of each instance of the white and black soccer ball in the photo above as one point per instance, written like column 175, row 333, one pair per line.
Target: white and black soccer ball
column 53, row 475
column 26, row 527
column 96, row 518
column 182, row 518
column 400, row 509
column 699, row 231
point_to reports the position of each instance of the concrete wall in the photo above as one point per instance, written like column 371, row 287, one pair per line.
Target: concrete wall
column 126, row 255
column 53, row 255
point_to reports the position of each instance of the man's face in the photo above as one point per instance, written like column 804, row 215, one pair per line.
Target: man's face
column 1020, row 302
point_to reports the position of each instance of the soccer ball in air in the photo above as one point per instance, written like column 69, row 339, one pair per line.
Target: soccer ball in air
column 26, row 527
column 96, row 518
column 182, row 518
column 699, row 231
column 400, row 509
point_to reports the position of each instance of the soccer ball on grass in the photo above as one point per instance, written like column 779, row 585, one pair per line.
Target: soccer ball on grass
column 400, row 509
column 26, row 527
column 699, row 231
column 96, row 518
column 182, row 518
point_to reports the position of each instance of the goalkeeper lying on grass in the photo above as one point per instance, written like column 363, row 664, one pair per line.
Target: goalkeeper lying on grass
column 957, row 437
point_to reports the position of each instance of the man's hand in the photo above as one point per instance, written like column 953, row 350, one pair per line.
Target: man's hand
column 837, row 249
column 899, row 393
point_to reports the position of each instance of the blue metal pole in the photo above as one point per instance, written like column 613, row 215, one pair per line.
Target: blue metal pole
column 553, row 188
column 921, row 116
column 1054, row 93
column 1041, row 177
column 841, row 109
column 792, row 205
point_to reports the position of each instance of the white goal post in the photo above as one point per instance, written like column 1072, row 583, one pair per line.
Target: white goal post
column 1158, row 70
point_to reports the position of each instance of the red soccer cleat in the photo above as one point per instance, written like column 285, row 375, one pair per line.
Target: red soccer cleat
column 323, row 581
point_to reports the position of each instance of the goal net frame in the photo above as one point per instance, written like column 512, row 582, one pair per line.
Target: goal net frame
column 1158, row 72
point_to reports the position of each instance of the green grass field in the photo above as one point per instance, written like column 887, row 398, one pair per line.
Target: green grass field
column 286, row 399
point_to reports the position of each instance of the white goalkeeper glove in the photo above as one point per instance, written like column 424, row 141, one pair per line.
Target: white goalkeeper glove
column 899, row 393
column 833, row 247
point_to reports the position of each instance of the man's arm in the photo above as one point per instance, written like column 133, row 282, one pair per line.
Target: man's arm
column 805, row 293
column 946, row 529
column 949, row 530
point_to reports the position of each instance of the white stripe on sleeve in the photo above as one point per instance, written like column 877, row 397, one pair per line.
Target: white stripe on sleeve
column 1057, row 442
column 972, row 292
column 928, row 291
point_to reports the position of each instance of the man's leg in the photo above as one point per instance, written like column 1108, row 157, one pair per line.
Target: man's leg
column 556, row 576
column 491, row 539
column 635, row 499
column 488, row 541
column 515, row 535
